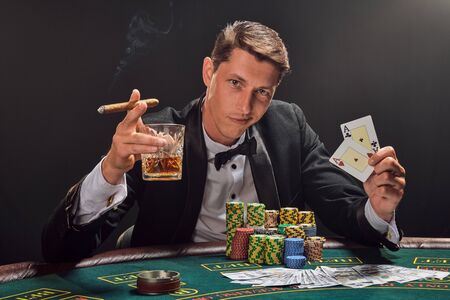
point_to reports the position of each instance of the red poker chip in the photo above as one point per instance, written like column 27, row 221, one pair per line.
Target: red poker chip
column 239, row 244
column 245, row 230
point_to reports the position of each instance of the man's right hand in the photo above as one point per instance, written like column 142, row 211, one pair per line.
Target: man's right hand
column 129, row 141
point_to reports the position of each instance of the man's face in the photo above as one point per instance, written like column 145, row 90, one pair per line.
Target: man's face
column 237, row 96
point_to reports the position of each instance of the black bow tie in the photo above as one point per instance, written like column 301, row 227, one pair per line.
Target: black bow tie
column 248, row 147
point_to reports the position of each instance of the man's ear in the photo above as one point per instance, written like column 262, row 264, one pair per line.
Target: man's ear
column 207, row 71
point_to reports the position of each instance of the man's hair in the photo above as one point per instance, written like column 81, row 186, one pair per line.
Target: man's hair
column 257, row 39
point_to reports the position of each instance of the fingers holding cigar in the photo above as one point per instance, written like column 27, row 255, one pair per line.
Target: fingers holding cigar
column 127, row 106
column 136, row 108
column 132, row 120
column 135, row 96
column 129, row 141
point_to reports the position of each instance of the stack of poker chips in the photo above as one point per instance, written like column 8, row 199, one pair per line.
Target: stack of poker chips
column 295, row 262
column 239, row 246
column 234, row 220
column 271, row 218
column 289, row 215
column 282, row 228
column 309, row 229
column 293, row 253
column 256, row 248
column 293, row 246
column 314, row 248
column 274, row 250
column 306, row 217
column 294, row 232
column 255, row 214
column 317, row 238
column 266, row 245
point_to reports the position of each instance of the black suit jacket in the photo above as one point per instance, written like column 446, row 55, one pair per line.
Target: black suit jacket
column 290, row 168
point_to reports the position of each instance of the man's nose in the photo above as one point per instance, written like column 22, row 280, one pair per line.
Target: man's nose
column 245, row 102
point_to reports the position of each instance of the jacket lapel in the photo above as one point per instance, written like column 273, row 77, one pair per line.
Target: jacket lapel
column 196, row 167
column 262, row 172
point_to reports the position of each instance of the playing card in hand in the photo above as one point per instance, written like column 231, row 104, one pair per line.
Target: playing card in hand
column 353, row 159
column 362, row 132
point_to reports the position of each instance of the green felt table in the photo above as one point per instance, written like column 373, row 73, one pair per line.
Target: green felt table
column 201, row 278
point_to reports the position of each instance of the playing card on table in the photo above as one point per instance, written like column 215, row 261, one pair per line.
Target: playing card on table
column 353, row 159
column 362, row 132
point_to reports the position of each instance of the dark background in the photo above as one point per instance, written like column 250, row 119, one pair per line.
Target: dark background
column 61, row 60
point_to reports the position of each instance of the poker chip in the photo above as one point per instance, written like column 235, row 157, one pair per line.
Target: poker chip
column 295, row 261
column 314, row 248
column 317, row 238
column 271, row 218
column 294, row 232
column 239, row 246
column 255, row 214
column 309, row 229
column 306, row 217
column 289, row 215
column 157, row 282
column 273, row 254
column 234, row 214
column 234, row 219
column 293, row 247
column 256, row 248
column 282, row 228
column 265, row 240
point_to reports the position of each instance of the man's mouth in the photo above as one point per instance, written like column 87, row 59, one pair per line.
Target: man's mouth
column 241, row 121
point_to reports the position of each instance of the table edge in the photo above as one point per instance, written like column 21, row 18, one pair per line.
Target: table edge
column 27, row 269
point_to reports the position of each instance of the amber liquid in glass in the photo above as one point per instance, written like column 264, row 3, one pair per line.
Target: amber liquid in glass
column 166, row 168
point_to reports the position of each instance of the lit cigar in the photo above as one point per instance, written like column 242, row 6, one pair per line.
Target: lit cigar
column 124, row 106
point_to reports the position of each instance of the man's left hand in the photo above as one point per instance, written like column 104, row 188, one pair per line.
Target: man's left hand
column 385, row 187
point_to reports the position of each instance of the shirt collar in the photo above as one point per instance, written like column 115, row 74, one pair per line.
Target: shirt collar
column 212, row 147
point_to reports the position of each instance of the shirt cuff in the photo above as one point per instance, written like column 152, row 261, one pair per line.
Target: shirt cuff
column 98, row 196
column 388, row 229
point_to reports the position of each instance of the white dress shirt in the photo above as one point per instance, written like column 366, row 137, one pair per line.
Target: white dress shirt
column 233, row 182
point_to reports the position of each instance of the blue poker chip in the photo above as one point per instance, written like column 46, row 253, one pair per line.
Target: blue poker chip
column 295, row 261
column 293, row 246
column 310, row 231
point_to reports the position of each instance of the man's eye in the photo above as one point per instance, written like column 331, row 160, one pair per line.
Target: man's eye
column 263, row 92
column 234, row 82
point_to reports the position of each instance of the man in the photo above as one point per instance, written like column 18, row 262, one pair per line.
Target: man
column 290, row 166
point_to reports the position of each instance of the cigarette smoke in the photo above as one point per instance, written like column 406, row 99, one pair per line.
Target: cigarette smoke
column 143, row 34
